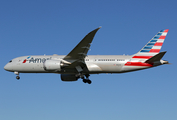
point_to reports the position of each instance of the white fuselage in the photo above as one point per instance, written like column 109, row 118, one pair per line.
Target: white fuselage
column 95, row 64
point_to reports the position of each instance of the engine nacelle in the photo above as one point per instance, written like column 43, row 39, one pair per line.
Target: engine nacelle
column 69, row 77
column 52, row 65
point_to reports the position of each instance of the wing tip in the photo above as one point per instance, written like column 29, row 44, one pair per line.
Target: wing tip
column 99, row 27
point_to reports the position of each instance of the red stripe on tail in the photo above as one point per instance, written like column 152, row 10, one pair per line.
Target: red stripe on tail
column 162, row 37
column 158, row 44
column 166, row 30
column 154, row 50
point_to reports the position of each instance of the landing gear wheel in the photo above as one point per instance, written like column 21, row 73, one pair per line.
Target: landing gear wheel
column 17, row 77
column 84, row 80
column 89, row 81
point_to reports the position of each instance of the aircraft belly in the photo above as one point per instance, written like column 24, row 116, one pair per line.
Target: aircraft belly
column 133, row 68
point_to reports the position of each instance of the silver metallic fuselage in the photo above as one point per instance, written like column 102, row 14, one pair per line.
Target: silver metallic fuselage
column 95, row 64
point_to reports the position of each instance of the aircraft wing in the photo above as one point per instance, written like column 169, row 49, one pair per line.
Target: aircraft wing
column 75, row 59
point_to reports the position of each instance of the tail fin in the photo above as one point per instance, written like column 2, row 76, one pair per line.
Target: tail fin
column 153, row 46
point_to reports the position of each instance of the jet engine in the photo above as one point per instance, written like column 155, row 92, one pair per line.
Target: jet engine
column 52, row 65
column 69, row 77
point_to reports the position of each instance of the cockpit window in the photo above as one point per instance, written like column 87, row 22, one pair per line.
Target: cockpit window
column 10, row 61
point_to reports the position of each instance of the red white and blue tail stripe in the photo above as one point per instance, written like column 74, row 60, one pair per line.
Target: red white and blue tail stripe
column 153, row 46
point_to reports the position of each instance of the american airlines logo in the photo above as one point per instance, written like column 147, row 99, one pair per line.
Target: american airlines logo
column 36, row 60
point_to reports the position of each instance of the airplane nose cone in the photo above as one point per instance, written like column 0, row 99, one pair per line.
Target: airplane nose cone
column 8, row 67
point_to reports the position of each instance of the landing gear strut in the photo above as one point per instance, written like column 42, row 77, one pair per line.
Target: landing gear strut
column 17, row 77
column 87, row 79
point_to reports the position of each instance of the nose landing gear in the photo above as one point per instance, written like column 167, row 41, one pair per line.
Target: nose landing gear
column 17, row 77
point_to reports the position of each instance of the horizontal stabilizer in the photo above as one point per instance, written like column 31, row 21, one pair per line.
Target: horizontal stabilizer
column 156, row 57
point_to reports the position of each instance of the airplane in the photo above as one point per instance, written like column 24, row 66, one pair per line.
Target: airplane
column 77, row 64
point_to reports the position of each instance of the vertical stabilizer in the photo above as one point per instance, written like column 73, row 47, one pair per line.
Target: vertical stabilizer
column 153, row 47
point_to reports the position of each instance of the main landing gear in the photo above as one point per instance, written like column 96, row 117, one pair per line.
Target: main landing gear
column 85, row 80
column 17, row 77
